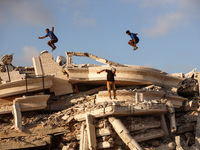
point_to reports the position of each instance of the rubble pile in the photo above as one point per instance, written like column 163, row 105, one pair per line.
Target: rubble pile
column 65, row 106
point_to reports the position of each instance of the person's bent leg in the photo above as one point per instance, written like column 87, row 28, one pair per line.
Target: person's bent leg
column 109, row 89
column 52, row 43
column 131, row 43
column 49, row 43
column 114, row 90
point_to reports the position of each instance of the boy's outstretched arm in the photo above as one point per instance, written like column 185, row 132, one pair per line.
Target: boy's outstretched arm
column 42, row 37
column 101, row 71
column 52, row 29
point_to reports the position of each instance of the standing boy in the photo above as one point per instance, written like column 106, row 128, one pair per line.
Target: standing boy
column 53, row 37
column 134, row 40
column 110, row 81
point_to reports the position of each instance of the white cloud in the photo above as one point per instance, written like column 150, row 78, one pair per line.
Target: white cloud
column 77, row 10
column 25, row 59
column 22, row 11
column 164, row 24
column 84, row 21
column 180, row 13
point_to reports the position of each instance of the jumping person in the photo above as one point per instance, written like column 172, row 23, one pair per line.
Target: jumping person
column 53, row 40
column 110, row 81
column 134, row 40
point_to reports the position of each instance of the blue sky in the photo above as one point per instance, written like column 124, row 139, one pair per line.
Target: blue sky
column 169, row 31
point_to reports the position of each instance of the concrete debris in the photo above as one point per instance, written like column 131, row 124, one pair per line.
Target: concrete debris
column 7, row 59
column 188, row 88
column 57, row 104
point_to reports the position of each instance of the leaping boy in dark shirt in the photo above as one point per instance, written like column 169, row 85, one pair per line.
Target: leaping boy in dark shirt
column 53, row 37
column 134, row 40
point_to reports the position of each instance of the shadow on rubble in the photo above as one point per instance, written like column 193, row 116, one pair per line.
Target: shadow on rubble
column 188, row 88
column 55, row 145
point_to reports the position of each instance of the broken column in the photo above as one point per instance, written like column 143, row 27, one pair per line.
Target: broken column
column 139, row 97
column 164, row 125
column 124, row 134
column 197, row 136
column 17, row 115
column 172, row 116
column 83, row 140
column 69, row 59
column 91, row 132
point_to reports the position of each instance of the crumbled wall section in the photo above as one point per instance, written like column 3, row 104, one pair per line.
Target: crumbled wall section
column 14, row 76
column 61, row 84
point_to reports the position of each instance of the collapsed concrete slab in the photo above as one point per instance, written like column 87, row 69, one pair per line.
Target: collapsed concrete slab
column 129, row 95
column 129, row 75
column 24, row 86
column 143, row 109
column 26, row 103
column 147, row 104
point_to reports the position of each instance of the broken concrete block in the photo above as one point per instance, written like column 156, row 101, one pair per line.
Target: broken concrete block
column 180, row 75
column 177, row 101
column 178, row 143
column 37, row 66
column 103, row 132
column 104, row 145
column 61, row 60
column 7, row 59
column 61, row 83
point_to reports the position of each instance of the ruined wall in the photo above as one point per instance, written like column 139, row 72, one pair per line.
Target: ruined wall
column 61, row 84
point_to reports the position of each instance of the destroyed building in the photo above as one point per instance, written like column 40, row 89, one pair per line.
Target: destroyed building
column 57, row 104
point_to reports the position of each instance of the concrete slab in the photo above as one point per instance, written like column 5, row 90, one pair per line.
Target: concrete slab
column 27, row 103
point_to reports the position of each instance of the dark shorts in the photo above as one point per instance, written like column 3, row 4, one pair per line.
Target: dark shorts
column 136, row 40
column 54, row 40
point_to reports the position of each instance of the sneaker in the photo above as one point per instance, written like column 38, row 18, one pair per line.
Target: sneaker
column 110, row 97
column 115, row 97
column 53, row 49
column 135, row 48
